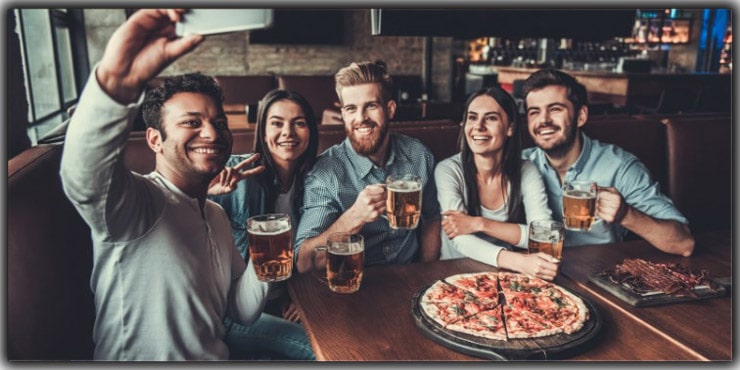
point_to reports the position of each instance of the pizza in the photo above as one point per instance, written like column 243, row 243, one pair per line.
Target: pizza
column 503, row 305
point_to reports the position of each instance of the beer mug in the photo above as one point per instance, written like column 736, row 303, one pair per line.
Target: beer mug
column 343, row 264
column 271, row 246
column 403, row 202
column 579, row 205
column 546, row 236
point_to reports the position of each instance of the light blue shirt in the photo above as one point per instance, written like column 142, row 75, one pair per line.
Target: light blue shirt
column 340, row 174
column 608, row 165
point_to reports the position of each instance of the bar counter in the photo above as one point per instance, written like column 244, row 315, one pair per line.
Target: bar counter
column 628, row 89
column 376, row 324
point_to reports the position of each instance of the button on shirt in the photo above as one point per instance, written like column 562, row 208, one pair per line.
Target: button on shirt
column 608, row 165
column 340, row 174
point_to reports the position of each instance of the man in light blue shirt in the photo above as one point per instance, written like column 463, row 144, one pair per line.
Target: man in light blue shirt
column 628, row 198
column 343, row 191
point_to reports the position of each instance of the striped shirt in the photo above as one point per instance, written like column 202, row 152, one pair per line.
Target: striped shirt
column 338, row 177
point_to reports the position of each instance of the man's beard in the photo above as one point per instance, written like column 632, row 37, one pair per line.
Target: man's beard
column 368, row 146
column 559, row 149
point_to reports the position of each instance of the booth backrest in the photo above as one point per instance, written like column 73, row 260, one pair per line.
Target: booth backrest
column 50, row 307
column 245, row 89
column 318, row 90
column 644, row 138
column 700, row 170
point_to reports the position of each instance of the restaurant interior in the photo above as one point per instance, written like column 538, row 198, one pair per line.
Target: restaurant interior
column 659, row 85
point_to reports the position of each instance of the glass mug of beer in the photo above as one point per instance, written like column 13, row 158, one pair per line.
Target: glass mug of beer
column 546, row 236
column 271, row 246
column 344, row 262
column 403, row 202
column 579, row 205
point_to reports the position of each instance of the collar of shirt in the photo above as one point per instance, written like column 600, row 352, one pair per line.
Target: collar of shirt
column 362, row 164
column 577, row 167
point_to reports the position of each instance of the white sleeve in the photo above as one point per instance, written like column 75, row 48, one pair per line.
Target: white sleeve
column 451, row 194
column 113, row 201
column 534, row 197
column 249, row 296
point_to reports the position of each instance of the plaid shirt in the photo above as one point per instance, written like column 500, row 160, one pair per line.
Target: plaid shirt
column 340, row 174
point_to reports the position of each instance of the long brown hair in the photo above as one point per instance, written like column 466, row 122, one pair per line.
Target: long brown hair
column 511, row 163
column 268, row 179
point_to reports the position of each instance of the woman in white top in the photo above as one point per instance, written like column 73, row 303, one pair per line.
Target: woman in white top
column 488, row 194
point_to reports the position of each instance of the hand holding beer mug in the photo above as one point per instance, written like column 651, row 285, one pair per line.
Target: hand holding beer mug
column 344, row 262
column 403, row 205
column 546, row 236
column 579, row 205
column 271, row 246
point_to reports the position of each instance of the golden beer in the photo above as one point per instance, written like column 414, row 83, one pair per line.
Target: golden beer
column 403, row 202
column 579, row 208
column 579, row 204
column 554, row 249
column 546, row 236
column 271, row 246
column 344, row 267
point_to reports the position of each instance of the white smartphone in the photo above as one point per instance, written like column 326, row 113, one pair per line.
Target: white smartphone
column 215, row 21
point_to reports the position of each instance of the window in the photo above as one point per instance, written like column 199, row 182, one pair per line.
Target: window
column 54, row 62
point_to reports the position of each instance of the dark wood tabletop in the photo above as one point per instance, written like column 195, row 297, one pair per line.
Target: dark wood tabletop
column 376, row 324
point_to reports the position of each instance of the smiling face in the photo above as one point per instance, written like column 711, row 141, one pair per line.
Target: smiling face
column 195, row 142
column 487, row 126
column 286, row 132
column 366, row 117
column 552, row 120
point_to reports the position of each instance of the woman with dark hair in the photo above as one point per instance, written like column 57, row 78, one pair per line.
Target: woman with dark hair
column 488, row 194
column 285, row 145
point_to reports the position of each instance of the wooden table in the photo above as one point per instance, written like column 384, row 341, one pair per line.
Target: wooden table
column 375, row 323
column 701, row 327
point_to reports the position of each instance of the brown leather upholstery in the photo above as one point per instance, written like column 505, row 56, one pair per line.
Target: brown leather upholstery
column 700, row 169
column 50, row 307
column 318, row 90
column 245, row 89
column 644, row 138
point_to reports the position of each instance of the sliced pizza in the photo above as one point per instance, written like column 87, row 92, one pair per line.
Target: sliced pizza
column 446, row 304
column 486, row 324
column 501, row 305
column 483, row 285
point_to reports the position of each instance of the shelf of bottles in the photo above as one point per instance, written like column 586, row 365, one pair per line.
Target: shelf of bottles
column 539, row 53
column 661, row 26
column 725, row 58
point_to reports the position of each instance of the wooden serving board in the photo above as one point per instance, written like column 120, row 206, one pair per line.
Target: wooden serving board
column 550, row 347
column 652, row 299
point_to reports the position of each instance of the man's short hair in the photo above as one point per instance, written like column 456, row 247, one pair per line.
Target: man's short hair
column 190, row 82
column 364, row 73
column 548, row 77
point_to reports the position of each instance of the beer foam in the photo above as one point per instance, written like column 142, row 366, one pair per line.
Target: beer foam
column 404, row 186
column 580, row 194
column 345, row 249
column 272, row 227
